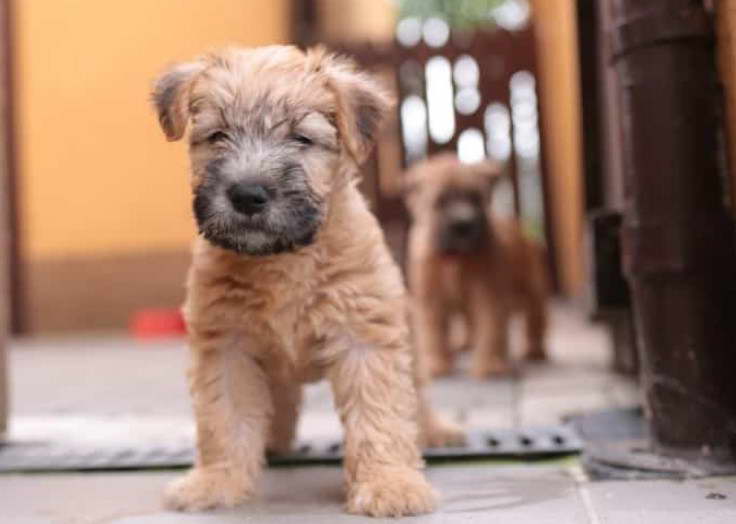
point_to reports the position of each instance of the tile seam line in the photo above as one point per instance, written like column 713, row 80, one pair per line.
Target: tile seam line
column 581, row 485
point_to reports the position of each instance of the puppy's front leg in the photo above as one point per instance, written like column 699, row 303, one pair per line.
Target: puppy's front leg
column 490, row 321
column 232, row 406
column 536, row 326
column 431, row 335
column 377, row 403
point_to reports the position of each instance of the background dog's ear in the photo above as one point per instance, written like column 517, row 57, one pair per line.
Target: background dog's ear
column 362, row 103
column 490, row 171
column 411, row 181
column 170, row 97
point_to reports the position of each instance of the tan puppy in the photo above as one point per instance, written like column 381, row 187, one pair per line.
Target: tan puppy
column 464, row 261
column 291, row 279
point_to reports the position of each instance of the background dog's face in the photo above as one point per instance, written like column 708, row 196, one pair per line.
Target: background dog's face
column 271, row 130
column 452, row 200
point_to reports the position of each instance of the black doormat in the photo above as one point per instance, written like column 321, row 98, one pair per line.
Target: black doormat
column 111, row 444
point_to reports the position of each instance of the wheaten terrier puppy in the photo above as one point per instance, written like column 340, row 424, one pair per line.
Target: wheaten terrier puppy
column 464, row 261
column 291, row 279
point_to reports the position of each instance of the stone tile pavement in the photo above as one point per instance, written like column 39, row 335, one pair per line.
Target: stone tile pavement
column 551, row 493
column 116, row 377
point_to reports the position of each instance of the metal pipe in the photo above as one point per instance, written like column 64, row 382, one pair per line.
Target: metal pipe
column 678, row 240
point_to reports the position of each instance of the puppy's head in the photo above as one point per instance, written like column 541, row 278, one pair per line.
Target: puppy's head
column 452, row 199
column 271, row 133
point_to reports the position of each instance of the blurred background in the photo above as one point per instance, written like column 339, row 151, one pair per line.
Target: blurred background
column 100, row 214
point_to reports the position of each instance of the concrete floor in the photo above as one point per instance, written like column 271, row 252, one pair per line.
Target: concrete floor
column 60, row 385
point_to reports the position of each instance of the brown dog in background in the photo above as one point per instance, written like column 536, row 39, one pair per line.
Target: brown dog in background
column 463, row 260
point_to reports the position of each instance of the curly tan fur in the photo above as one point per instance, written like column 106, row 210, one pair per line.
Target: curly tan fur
column 484, row 281
column 324, row 303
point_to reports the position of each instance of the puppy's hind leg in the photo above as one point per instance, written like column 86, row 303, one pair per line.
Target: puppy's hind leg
column 535, row 309
column 287, row 396
column 430, row 325
column 232, row 406
column 434, row 431
column 375, row 396
column 490, row 321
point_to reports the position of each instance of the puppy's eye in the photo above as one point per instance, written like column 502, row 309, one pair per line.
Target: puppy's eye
column 303, row 140
column 217, row 136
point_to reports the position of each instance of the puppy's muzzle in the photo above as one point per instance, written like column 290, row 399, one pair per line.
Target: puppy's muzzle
column 464, row 229
column 248, row 198
column 468, row 228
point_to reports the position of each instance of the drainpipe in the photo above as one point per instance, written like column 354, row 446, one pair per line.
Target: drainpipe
column 678, row 239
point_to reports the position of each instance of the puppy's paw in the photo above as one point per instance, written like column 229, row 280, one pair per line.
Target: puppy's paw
column 392, row 492
column 536, row 353
column 203, row 489
column 439, row 367
column 440, row 433
column 491, row 368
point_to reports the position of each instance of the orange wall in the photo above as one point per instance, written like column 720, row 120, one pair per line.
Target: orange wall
column 97, row 176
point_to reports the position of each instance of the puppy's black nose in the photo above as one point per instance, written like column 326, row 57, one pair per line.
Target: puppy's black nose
column 248, row 198
column 463, row 227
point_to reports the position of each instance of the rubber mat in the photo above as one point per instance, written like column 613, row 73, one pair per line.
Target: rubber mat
column 109, row 444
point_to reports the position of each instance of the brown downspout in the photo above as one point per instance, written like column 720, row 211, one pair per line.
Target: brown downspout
column 679, row 251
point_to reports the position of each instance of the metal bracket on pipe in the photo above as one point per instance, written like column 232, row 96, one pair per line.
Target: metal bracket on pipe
column 660, row 27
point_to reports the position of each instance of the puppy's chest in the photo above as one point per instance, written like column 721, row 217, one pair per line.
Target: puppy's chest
column 449, row 282
column 276, row 311
column 460, row 276
column 253, row 298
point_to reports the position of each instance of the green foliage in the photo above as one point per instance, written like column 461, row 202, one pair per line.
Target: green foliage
column 457, row 13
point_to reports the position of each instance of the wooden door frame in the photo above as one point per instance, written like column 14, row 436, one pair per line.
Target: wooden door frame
column 7, row 208
column 9, row 123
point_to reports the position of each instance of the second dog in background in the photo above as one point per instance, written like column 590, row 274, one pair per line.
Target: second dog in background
column 463, row 260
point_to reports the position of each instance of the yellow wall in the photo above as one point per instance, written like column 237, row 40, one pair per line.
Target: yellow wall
column 97, row 176
column 555, row 23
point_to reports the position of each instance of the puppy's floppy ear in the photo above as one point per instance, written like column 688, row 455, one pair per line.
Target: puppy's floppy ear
column 490, row 171
column 411, row 180
column 171, row 100
column 362, row 102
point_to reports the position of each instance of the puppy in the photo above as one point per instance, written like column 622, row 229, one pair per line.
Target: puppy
column 464, row 261
column 291, row 279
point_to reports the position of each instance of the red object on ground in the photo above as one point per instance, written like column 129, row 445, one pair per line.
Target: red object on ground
column 157, row 323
